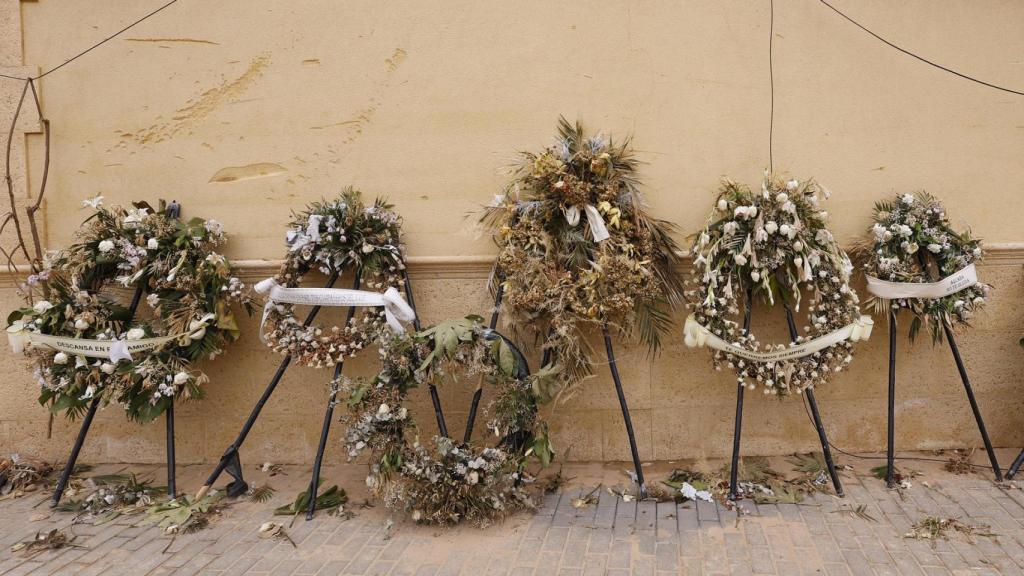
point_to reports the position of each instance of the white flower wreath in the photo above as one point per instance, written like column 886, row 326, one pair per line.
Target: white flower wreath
column 774, row 245
column 333, row 236
column 906, row 233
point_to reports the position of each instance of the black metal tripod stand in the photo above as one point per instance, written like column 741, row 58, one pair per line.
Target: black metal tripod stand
column 610, row 353
column 948, row 331
column 812, row 404
column 230, row 461
column 83, row 430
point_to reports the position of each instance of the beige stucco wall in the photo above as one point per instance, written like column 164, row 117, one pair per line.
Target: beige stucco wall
column 427, row 102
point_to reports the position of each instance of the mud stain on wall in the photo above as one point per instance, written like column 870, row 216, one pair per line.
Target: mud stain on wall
column 354, row 125
column 248, row 172
column 198, row 108
column 173, row 40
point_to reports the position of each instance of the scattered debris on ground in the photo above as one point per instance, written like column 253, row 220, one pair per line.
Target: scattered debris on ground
column 110, row 496
column 53, row 540
column 586, row 500
column 275, row 530
column 331, row 502
column 901, row 477
column 260, row 494
column 186, row 515
column 933, row 528
column 20, row 476
column 960, row 462
column 860, row 511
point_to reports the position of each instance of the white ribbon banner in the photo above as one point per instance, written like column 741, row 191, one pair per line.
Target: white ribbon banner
column 963, row 278
column 114, row 350
column 698, row 335
column 396, row 310
column 597, row 228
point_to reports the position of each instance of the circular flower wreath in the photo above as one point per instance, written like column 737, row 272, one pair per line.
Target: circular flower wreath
column 331, row 237
column 447, row 483
column 909, row 230
column 774, row 243
column 189, row 290
column 559, row 275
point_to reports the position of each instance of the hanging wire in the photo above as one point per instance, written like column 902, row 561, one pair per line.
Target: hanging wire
column 921, row 58
column 94, row 46
column 771, row 81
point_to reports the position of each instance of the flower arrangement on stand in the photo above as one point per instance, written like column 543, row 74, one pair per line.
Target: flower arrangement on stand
column 440, row 481
column 331, row 237
column 578, row 250
column 773, row 245
column 907, row 232
column 190, row 295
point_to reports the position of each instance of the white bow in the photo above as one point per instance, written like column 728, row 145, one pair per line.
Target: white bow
column 955, row 282
column 396, row 310
column 597, row 227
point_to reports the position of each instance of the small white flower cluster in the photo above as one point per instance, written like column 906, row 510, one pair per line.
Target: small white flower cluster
column 901, row 228
column 774, row 246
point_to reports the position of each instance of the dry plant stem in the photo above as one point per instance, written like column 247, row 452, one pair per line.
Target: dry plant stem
column 31, row 210
column 13, row 214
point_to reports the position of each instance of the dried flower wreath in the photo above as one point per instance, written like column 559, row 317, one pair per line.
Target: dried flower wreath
column 908, row 231
column 448, row 483
column 190, row 293
column 773, row 245
column 578, row 250
column 333, row 236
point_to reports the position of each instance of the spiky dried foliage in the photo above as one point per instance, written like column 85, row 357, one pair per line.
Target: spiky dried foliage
column 911, row 240
column 559, row 283
column 333, row 236
column 190, row 291
column 441, row 482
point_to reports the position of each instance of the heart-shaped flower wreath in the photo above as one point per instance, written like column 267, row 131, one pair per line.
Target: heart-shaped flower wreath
column 334, row 236
column 906, row 233
column 578, row 250
column 446, row 482
column 773, row 245
column 189, row 292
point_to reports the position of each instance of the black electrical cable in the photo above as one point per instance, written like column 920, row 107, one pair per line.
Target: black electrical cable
column 94, row 46
column 921, row 58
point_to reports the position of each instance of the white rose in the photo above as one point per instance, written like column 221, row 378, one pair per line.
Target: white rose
column 781, row 197
column 42, row 306
column 136, row 334
column 106, row 246
column 152, row 244
column 935, row 248
column 383, row 409
column 367, row 248
column 792, row 185
column 60, row 358
column 755, row 276
column 907, row 199
column 740, row 259
column 81, row 324
column 798, row 245
column 771, row 227
column 180, row 378
column 798, row 261
column 912, row 247
column 473, row 477
column 107, row 368
column 722, row 205
column 785, row 229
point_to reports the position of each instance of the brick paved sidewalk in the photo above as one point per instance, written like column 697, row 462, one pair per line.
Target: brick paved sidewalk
column 612, row 537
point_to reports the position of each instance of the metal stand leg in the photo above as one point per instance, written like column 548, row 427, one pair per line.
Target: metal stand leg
column 171, row 491
column 442, row 428
column 890, row 472
column 974, row 403
column 83, row 431
column 65, row 475
column 625, row 413
column 826, row 451
column 314, row 482
column 475, row 404
column 1015, row 467
column 738, row 424
column 230, row 460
